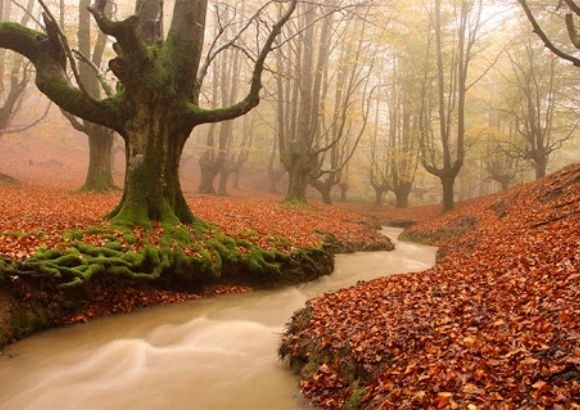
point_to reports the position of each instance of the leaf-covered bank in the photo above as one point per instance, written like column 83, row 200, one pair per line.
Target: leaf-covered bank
column 494, row 325
column 58, row 270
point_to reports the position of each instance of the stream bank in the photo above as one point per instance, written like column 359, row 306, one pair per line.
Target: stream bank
column 31, row 304
column 219, row 352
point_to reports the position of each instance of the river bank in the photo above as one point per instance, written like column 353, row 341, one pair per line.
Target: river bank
column 219, row 352
column 251, row 244
column 494, row 323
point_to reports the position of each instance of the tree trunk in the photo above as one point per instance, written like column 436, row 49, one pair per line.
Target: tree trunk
column 402, row 194
column 237, row 177
column 379, row 197
column 209, row 171
column 223, row 182
column 540, row 167
column 448, row 198
column 325, row 189
column 99, row 175
column 505, row 184
column 297, row 183
column 152, row 188
column 275, row 178
column 343, row 191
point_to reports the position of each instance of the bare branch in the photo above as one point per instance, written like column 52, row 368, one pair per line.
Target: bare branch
column 538, row 30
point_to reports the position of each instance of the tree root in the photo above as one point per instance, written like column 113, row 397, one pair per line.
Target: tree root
column 178, row 259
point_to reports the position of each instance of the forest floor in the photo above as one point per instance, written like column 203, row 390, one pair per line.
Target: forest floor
column 495, row 324
column 33, row 219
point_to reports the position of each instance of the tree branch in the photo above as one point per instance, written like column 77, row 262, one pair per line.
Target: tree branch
column 252, row 99
column 125, row 31
column 538, row 30
column 32, row 124
column 51, row 77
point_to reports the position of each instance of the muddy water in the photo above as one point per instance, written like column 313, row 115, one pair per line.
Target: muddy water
column 218, row 353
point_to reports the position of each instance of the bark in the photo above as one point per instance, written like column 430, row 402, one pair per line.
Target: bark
column 540, row 166
column 152, row 189
column 448, row 183
column 324, row 187
column 209, row 171
column 223, row 181
column 505, row 184
column 99, row 175
column 343, row 191
column 297, row 184
column 379, row 197
column 402, row 194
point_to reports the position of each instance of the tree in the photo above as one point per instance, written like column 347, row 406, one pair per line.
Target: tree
column 156, row 104
column 443, row 135
column 536, row 106
column 225, row 87
column 302, row 84
column 572, row 8
column 299, row 93
column 99, row 175
column 499, row 165
column 345, row 127
column 14, row 79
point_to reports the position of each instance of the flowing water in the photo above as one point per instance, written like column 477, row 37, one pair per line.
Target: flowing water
column 217, row 353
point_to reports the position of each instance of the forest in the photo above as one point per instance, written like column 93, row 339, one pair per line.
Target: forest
column 289, row 204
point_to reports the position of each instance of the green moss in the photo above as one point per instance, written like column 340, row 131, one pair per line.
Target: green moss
column 355, row 399
column 75, row 235
column 182, row 256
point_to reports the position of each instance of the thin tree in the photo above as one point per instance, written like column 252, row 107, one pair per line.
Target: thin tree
column 443, row 142
column 344, row 127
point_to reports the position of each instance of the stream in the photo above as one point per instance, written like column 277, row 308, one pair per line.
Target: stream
column 216, row 353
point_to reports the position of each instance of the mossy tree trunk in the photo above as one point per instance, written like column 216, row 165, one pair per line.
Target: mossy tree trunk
column 155, row 142
column 156, row 105
column 299, row 168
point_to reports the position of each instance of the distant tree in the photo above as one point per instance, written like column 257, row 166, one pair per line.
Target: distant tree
column 99, row 176
column 443, row 132
column 156, row 104
column 307, row 143
column 239, row 151
column 14, row 79
column 344, row 126
column 276, row 170
column 225, row 88
column 300, row 89
column 536, row 102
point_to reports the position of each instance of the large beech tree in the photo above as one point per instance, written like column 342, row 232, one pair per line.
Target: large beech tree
column 156, row 104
